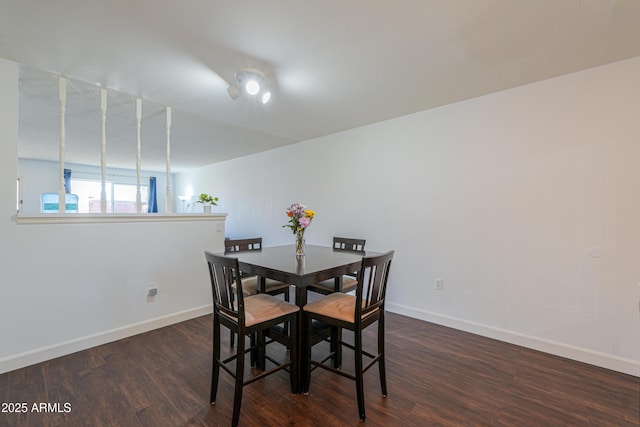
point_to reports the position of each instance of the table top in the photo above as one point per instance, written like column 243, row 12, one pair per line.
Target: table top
column 319, row 263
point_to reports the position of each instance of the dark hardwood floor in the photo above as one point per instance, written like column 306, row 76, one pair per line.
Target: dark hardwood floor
column 436, row 376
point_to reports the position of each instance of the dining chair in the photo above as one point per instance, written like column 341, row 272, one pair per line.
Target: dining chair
column 237, row 245
column 247, row 316
column 328, row 286
column 272, row 287
column 355, row 313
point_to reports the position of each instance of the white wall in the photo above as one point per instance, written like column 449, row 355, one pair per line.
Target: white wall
column 501, row 196
column 65, row 287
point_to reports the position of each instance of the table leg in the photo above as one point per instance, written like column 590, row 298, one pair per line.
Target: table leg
column 303, row 357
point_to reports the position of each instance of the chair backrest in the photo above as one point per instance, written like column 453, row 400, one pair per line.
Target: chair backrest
column 372, row 283
column 348, row 244
column 238, row 245
column 225, row 275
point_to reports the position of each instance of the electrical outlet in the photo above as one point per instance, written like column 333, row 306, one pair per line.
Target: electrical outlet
column 152, row 291
column 439, row 285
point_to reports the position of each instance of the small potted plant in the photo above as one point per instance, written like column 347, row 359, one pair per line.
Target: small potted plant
column 207, row 201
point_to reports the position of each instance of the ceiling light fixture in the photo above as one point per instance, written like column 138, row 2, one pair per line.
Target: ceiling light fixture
column 249, row 82
column 252, row 87
column 234, row 92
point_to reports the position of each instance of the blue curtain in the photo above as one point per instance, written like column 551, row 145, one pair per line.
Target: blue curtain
column 153, row 198
column 67, row 181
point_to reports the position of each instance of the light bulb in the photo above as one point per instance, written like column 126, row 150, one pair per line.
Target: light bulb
column 252, row 87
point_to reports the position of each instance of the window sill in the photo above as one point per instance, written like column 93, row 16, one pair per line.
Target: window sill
column 77, row 218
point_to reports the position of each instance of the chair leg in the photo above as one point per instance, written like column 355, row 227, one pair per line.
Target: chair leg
column 358, row 373
column 286, row 324
column 239, row 380
column 381, row 364
column 335, row 346
column 253, row 353
column 262, row 352
column 215, row 369
column 304, row 358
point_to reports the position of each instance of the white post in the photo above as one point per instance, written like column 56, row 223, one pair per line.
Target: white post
column 103, row 155
column 62, row 199
column 138, row 144
column 168, row 160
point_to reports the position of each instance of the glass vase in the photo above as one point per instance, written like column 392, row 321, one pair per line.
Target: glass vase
column 299, row 246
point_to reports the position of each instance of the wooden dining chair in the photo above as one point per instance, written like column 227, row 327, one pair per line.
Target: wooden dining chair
column 247, row 316
column 328, row 286
column 251, row 285
column 272, row 287
column 238, row 245
column 353, row 312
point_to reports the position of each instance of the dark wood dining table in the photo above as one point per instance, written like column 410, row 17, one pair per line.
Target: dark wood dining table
column 319, row 263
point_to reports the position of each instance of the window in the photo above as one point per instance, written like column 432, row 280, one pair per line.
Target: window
column 121, row 198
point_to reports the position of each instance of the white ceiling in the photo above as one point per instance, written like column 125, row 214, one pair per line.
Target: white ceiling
column 335, row 65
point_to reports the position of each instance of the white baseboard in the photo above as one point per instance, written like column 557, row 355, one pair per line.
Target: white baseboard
column 61, row 349
column 603, row 360
column 607, row 361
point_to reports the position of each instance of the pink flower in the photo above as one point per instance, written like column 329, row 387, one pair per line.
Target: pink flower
column 304, row 222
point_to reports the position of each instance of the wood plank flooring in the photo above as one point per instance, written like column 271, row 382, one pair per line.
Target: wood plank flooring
column 437, row 376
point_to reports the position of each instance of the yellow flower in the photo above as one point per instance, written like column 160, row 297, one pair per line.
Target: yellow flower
column 309, row 213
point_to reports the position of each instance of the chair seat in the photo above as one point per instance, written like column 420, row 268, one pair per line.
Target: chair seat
column 263, row 307
column 349, row 284
column 250, row 285
column 336, row 305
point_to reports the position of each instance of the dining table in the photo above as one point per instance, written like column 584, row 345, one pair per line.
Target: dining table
column 317, row 264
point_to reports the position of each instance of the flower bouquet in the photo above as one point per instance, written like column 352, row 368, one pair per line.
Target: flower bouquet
column 299, row 219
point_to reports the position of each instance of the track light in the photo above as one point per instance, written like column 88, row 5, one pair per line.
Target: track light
column 249, row 82
column 234, row 92
column 252, row 87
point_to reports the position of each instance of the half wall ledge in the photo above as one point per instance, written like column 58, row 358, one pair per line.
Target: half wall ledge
column 77, row 218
